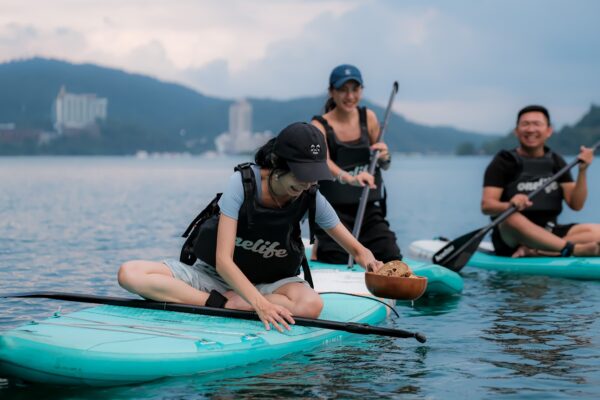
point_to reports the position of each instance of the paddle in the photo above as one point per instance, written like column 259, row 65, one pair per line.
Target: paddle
column 352, row 327
column 457, row 253
column 372, row 164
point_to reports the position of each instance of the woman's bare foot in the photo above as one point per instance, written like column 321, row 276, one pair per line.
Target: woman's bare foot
column 587, row 249
column 524, row 251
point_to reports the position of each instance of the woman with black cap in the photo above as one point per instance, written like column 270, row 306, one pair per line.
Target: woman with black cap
column 246, row 252
column 351, row 133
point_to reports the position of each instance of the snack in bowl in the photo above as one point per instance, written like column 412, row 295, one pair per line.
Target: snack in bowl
column 395, row 268
column 395, row 280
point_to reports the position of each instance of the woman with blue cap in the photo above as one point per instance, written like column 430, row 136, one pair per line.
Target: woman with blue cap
column 351, row 133
column 244, row 251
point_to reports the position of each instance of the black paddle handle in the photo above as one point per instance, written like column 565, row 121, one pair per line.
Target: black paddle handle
column 362, row 205
column 351, row 327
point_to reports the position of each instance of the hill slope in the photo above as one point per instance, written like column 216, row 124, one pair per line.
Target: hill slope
column 145, row 113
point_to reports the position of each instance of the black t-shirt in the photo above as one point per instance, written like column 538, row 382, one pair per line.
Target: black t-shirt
column 504, row 169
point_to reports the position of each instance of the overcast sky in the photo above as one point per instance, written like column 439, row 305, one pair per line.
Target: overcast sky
column 469, row 64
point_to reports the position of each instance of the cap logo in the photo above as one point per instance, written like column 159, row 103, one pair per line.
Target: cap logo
column 347, row 71
column 315, row 149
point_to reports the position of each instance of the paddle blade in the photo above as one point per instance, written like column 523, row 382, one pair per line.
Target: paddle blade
column 458, row 252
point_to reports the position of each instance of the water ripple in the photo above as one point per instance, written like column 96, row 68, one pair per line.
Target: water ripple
column 66, row 224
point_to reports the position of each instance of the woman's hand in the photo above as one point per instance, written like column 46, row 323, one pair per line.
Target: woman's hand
column 273, row 314
column 367, row 260
column 363, row 179
column 384, row 153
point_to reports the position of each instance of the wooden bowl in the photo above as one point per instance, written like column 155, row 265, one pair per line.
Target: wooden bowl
column 393, row 287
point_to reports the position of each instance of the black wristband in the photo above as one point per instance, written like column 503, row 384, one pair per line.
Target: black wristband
column 567, row 251
column 216, row 300
column 384, row 163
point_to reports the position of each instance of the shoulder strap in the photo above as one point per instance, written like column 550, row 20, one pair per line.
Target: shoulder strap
column 187, row 255
column 322, row 121
column 209, row 210
column 249, row 183
column 329, row 136
column 306, row 270
column 312, row 211
column 517, row 158
column 362, row 120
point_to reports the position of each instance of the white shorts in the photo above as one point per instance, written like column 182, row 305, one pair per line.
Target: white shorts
column 205, row 278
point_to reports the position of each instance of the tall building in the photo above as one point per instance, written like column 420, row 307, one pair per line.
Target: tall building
column 240, row 118
column 240, row 139
column 77, row 111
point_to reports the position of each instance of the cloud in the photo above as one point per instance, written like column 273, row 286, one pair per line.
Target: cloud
column 21, row 41
column 464, row 63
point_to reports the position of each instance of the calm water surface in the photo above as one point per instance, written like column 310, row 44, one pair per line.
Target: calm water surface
column 67, row 223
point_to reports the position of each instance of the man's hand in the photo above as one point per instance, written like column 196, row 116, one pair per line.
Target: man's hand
column 520, row 201
column 586, row 156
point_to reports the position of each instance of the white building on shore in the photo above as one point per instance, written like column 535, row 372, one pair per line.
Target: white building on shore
column 240, row 139
column 77, row 111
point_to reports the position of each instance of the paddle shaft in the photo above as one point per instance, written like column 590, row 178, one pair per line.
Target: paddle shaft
column 351, row 327
column 362, row 205
column 507, row 213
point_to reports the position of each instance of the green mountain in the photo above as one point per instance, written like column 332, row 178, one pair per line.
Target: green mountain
column 147, row 114
column 565, row 141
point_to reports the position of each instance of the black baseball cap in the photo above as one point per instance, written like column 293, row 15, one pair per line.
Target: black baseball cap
column 303, row 147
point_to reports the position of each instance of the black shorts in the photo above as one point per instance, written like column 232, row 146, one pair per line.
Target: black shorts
column 502, row 249
column 375, row 234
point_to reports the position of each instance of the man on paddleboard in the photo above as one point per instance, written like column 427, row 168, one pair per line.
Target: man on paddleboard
column 513, row 174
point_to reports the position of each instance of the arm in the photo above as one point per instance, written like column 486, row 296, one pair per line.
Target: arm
column 342, row 176
column 268, row 312
column 360, row 253
column 491, row 204
column 576, row 193
column 497, row 174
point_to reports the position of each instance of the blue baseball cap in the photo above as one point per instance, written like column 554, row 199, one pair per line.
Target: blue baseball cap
column 344, row 73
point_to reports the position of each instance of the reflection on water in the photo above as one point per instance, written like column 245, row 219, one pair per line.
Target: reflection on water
column 542, row 326
column 67, row 223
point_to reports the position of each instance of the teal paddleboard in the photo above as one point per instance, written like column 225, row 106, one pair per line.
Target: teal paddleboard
column 440, row 281
column 564, row 267
column 112, row 345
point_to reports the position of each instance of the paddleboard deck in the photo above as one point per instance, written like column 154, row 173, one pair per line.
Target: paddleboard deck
column 440, row 281
column 112, row 345
column 587, row 268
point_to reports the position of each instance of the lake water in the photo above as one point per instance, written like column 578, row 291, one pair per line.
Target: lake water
column 66, row 224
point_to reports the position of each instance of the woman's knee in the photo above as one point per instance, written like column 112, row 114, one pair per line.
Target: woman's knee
column 310, row 306
column 130, row 273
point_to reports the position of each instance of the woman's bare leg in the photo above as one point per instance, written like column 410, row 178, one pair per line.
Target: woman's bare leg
column 154, row 280
column 301, row 300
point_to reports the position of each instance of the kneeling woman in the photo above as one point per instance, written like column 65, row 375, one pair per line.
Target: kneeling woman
column 254, row 264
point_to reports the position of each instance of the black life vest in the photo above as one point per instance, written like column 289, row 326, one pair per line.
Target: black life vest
column 533, row 172
column 268, row 243
column 352, row 157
